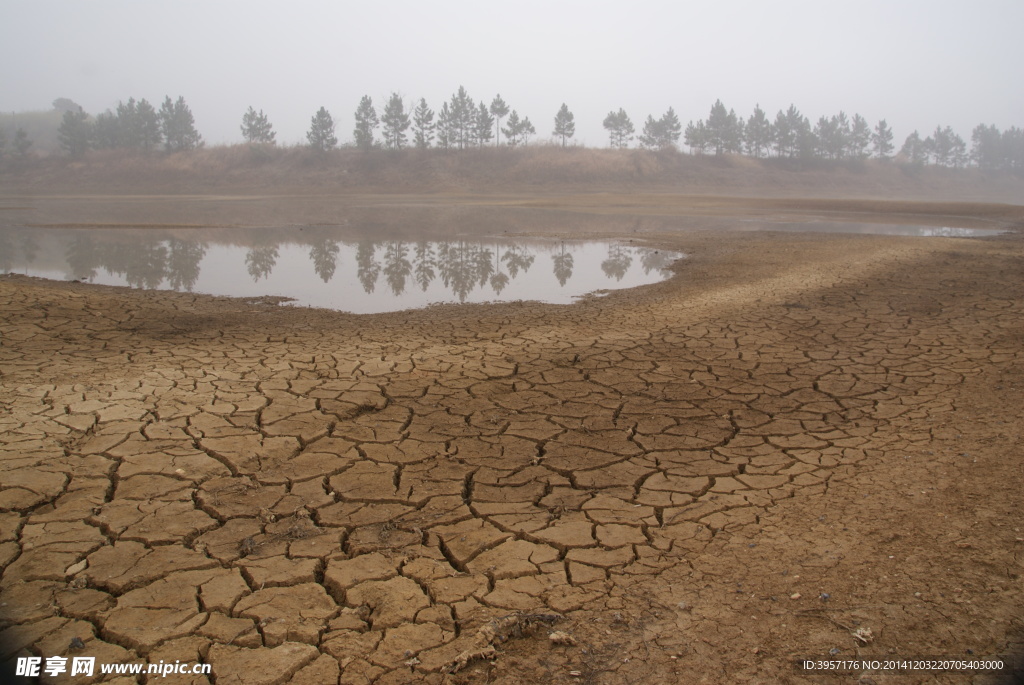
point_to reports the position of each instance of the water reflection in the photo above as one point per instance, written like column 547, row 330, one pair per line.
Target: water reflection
column 873, row 229
column 260, row 261
column 324, row 254
column 319, row 269
column 563, row 265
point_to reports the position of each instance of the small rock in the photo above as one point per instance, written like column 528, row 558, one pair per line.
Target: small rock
column 560, row 637
column 75, row 568
column 795, row 595
column 863, row 634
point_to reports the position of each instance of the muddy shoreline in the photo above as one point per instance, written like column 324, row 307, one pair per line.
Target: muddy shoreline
column 800, row 443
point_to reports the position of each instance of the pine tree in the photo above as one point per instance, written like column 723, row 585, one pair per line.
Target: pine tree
column 321, row 131
column 366, row 122
column 663, row 133
column 127, row 124
column 651, row 134
column 178, row 126
column 940, row 146
column 724, row 129
column 696, row 136
column 75, row 133
column 860, row 137
column 824, row 136
column 758, row 133
column 499, row 109
column 514, row 129
column 914, row 150
column 526, row 130
column 484, row 123
column 463, row 114
column 987, row 148
column 620, row 128
column 806, row 143
column 565, row 126
column 839, row 144
column 445, row 135
column 149, row 125
column 782, row 135
column 168, row 131
column 106, row 131
column 1012, row 140
column 734, row 133
column 423, row 125
column 256, row 127
column 958, row 151
column 670, row 129
column 395, row 122
column 881, row 140
column 792, row 134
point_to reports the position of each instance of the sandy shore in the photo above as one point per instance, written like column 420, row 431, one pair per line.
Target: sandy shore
column 800, row 446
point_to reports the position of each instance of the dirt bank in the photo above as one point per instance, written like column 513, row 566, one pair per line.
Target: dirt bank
column 801, row 446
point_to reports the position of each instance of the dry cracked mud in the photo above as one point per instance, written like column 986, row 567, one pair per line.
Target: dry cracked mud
column 795, row 438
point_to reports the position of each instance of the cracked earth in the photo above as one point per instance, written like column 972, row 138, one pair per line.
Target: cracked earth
column 795, row 437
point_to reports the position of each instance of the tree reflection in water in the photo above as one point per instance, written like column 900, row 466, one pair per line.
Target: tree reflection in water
column 618, row 262
column 396, row 267
column 563, row 262
column 324, row 254
column 260, row 261
column 426, row 261
column 83, row 257
column 457, row 263
column 656, row 260
column 183, row 263
column 367, row 268
column 517, row 258
column 465, row 267
column 499, row 279
column 141, row 265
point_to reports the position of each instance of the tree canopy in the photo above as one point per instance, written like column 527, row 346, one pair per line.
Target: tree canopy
column 366, row 122
column 75, row 134
column 565, row 125
column 256, row 127
column 178, row 126
column 620, row 128
column 321, row 131
column 395, row 122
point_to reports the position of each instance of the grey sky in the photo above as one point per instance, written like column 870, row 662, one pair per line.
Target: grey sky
column 916, row 63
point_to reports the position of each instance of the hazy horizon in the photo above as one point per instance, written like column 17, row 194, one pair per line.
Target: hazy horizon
column 917, row 64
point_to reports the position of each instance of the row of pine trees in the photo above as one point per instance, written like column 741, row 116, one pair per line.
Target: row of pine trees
column 463, row 123
column 135, row 125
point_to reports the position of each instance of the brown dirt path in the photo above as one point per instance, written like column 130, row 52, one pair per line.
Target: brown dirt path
column 796, row 438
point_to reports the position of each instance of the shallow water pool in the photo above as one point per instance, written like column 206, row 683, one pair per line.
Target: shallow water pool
column 319, row 267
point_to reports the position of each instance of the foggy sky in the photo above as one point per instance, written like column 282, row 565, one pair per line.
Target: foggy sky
column 916, row 63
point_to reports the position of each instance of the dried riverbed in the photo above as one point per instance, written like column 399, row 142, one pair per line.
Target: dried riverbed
column 797, row 438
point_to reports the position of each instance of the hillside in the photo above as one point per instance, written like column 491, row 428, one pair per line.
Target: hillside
column 542, row 170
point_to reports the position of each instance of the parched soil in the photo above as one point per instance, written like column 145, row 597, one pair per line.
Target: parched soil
column 800, row 447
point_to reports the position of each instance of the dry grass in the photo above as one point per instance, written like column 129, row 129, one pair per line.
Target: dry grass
column 538, row 169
